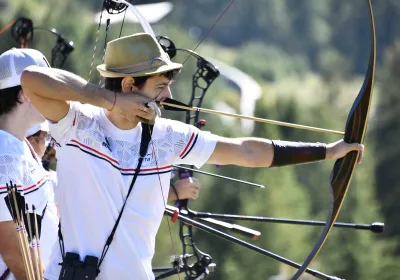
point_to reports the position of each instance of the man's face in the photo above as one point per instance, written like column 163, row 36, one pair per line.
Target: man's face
column 157, row 87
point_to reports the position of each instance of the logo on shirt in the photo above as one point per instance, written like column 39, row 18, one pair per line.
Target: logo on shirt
column 106, row 144
column 32, row 168
column 147, row 157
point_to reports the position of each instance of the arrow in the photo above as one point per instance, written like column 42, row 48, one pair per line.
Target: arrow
column 173, row 105
column 376, row 227
column 221, row 177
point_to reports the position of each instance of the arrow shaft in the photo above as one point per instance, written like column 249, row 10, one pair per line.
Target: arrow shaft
column 215, row 112
column 250, row 246
column 278, row 220
column 247, row 232
column 221, row 177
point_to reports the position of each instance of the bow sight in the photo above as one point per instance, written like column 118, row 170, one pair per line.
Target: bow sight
column 23, row 30
column 202, row 79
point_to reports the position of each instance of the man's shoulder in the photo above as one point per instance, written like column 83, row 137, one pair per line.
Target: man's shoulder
column 11, row 158
column 9, row 144
column 19, row 168
column 80, row 115
column 12, row 169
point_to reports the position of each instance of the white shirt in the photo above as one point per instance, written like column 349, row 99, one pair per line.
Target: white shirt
column 95, row 166
column 19, row 166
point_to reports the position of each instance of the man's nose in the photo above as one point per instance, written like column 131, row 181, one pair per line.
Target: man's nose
column 165, row 93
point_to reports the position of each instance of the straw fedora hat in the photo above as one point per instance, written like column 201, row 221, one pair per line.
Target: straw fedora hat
column 134, row 56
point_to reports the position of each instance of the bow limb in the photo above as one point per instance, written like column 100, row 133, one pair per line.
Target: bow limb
column 343, row 169
column 23, row 30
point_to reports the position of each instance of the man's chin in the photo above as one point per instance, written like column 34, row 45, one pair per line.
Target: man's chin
column 151, row 122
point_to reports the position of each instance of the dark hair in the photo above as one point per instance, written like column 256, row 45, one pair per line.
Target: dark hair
column 115, row 84
column 37, row 134
column 9, row 99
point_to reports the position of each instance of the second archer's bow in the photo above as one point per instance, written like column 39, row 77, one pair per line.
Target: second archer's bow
column 22, row 31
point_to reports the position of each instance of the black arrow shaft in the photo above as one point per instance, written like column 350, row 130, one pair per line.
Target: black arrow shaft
column 252, row 247
column 284, row 221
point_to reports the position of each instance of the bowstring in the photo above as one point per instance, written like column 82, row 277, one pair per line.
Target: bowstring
column 163, row 197
column 8, row 26
column 123, row 21
column 95, row 43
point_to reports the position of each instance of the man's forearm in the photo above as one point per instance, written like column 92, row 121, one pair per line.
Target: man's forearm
column 259, row 152
column 61, row 85
column 273, row 153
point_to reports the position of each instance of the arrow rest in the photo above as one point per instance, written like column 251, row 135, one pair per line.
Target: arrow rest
column 22, row 30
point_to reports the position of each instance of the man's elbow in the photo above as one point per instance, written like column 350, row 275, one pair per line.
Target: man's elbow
column 28, row 77
column 252, row 160
column 251, row 157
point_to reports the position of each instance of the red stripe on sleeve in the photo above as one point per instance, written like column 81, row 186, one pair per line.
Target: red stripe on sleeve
column 188, row 145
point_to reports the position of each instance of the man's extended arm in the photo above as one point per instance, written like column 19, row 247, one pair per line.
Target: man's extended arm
column 258, row 152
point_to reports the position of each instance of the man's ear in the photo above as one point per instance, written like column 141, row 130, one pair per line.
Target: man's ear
column 128, row 84
column 22, row 96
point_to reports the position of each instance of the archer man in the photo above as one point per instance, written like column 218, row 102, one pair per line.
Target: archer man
column 107, row 134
